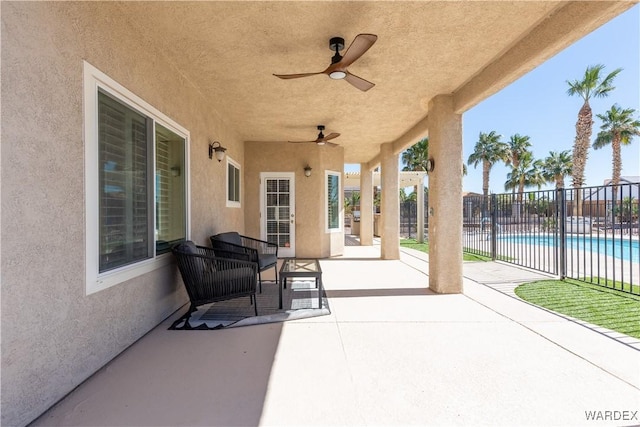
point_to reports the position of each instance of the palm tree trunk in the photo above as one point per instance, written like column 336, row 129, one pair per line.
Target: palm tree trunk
column 559, row 181
column 581, row 152
column 486, row 168
column 485, row 178
column 520, row 194
column 617, row 160
column 615, row 175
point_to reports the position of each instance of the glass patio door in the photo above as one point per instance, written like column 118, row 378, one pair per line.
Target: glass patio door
column 277, row 216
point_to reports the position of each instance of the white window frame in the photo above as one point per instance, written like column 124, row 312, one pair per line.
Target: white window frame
column 94, row 79
column 233, row 203
column 328, row 173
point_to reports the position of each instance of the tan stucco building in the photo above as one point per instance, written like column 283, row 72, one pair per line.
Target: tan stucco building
column 81, row 282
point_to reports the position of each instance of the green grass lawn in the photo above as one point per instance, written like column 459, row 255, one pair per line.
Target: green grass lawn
column 424, row 247
column 600, row 306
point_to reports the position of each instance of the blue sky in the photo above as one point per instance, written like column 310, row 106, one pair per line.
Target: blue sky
column 537, row 104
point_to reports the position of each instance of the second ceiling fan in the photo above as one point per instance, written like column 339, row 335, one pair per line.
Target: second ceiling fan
column 338, row 68
column 321, row 139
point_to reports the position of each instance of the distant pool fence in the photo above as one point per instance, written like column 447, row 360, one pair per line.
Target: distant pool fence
column 588, row 234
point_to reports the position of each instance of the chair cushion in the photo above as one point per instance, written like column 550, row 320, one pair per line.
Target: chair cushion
column 229, row 237
column 187, row 247
column 266, row 260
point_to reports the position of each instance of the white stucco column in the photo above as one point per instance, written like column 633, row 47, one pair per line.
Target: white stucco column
column 389, row 203
column 420, row 210
column 366, row 205
column 445, row 196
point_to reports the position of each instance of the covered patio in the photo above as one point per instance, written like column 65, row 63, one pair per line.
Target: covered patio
column 130, row 126
column 391, row 353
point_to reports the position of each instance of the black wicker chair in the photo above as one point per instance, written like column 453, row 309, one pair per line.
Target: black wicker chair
column 209, row 278
column 264, row 254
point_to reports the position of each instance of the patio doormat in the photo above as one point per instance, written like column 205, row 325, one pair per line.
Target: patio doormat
column 299, row 301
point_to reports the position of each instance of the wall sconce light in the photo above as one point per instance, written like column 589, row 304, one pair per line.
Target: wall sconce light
column 307, row 171
column 218, row 149
column 430, row 164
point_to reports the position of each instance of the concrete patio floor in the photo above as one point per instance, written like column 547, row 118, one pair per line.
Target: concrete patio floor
column 391, row 353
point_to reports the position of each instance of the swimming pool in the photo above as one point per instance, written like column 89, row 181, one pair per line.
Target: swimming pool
column 621, row 248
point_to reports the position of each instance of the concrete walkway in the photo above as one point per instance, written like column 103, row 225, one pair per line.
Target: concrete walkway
column 391, row 353
column 505, row 278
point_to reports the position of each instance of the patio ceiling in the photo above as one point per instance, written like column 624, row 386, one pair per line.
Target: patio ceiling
column 229, row 51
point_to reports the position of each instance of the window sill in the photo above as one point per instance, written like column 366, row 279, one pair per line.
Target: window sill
column 122, row 274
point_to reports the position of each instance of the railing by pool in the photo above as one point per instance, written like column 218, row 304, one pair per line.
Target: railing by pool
column 589, row 234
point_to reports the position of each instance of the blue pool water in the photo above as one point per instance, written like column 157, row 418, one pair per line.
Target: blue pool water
column 622, row 248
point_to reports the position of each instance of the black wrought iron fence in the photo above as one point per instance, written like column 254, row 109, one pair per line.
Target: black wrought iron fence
column 607, row 252
column 589, row 234
column 409, row 218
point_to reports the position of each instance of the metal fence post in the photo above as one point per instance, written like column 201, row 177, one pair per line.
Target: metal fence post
column 561, row 232
column 494, row 226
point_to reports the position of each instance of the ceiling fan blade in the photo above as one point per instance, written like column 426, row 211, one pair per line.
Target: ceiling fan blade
column 358, row 47
column 359, row 82
column 295, row 76
column 331, row 136
column 332, row 144
column 302, row 142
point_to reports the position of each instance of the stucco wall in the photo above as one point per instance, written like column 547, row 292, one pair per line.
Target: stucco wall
column 53, row 335
column 312, row 240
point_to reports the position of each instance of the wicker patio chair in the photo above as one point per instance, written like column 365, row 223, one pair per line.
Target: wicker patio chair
column 209, row 278
column 263, row 253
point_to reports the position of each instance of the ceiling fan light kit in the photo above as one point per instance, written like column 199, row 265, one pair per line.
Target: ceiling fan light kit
column 321, row 139
column 339, row 63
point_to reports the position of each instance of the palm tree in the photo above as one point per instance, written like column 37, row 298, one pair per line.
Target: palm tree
column 415, row 157
column 351, row 202
column 404, row 197
column 518, row 147
column 618, row 128
column 591, row 85
column 489, row 150
column 556, row 166
column 527, row 174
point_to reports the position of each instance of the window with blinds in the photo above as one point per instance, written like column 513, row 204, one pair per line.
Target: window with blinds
column 170, row 189
column 233, row 183
column 333, row 201
column 127, row 209
column 123, row 184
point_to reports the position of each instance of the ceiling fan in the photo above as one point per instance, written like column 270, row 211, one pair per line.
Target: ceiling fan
column 321, row 139
column 338, row 68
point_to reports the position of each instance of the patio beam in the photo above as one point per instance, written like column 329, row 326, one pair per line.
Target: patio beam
column 445, row 196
